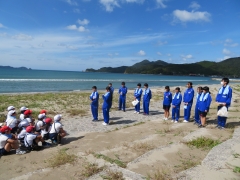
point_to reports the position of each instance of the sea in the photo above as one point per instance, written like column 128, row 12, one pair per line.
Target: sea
column 24, row 81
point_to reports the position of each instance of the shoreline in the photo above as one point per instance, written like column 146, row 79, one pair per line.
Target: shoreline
column 89, row 90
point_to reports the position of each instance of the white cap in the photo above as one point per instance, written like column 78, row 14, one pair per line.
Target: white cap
column 10, row 108
column 41, row 116
column 57, row 117
column 23, row 108
column 23, row 124
column 11, row 112
column 1, row 124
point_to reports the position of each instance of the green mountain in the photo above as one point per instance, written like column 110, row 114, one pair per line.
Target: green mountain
column 9, row 67
column 229, row 67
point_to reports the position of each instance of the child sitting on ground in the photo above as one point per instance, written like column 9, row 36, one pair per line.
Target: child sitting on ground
column 57, row 133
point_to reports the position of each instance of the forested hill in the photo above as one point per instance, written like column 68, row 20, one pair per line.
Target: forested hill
column 9, row 67
column 229, row 67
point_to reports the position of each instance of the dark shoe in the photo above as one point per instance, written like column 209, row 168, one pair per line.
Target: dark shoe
column 217, row 126
column 221, row 128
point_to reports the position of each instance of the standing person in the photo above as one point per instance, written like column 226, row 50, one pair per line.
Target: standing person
column 196, row 115
column 111, row 91
column 204, row 105
column 137, row 95
column 167, row 100
column 122, row 97
column 223, row 98
column 147, row 96
column 188, row 100
column 106, row 106
column 176, row 103
column 94, row 97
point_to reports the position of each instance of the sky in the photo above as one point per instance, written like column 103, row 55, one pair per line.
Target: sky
column 73, row 35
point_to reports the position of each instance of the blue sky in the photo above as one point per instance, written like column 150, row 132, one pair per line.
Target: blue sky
column 79, row 34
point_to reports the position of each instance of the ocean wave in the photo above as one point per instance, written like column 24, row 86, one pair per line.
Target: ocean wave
column 95, row 80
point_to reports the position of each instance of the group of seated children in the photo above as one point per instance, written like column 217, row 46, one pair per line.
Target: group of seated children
column 203, row 102
column 26, row 133
column 108, row 96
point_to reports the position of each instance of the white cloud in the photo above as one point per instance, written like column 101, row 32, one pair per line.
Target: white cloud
column 229, row 42
column 158, row 53
column 1, row 25
column 72, row 27
column 135, row 1
column 160, row 43
column 194, row 5
column 83, row 22
column 160, row 3
column 71, row 2
column 110, row 4
column 22, row 37
column 65, row 12
column 194, row 16
column 168, row 54
column 76, row 10
column 141, row 53
column 82, row 29
column 185, row 57
column 226, row 57
column 226, row 51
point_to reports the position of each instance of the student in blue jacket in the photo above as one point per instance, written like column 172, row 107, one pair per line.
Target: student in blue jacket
column 223, row 98
column 106, row 105
column 197, row 116
column 188, row 100
column 167, row 100
column 176, row 103
column 138, row 95
column 111, row 91
column 94, row 97
column 147, row 96
column 204, row 105
column 122, row 97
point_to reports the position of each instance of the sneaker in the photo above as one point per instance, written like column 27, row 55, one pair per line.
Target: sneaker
column 176, row 122
column 54, row 142
column 165, row 119
column 185, row 121
column 20, row 152
column 217, row 126
column 105, row 124
column 221, row 128
column 138, row 112
column 135, row 112
column 172, row 121
column 195, row 123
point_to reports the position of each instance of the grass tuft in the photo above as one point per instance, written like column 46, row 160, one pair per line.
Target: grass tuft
column 236, row 169
column 203, row 143
column 61, row 158
column 75, row 112
column 115, row 161
column 90, row 169
column 158, row 175
column 113, row 175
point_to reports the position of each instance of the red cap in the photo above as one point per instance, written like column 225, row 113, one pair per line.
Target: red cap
column 43, row 111
column 48, row 120
column 5, row 128
column 30, row 129
column 28, row 112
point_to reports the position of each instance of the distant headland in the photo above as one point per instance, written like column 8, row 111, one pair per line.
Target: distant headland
column 10, row 67
column 229, row 67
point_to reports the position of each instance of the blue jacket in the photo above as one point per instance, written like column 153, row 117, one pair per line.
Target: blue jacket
column 225, row 98
column 177, row 102
column 197, row 99
column 167, row 99
column 205, row 103
column 106, row 100
column 147, row 94
column 122, row 91
column 94, row 97
column 138, row 94
column 188, row 96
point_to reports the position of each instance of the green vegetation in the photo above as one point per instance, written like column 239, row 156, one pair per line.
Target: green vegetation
column 236, row 169
column 203, row 143
column 159, row 175
column 61, row 158
column 229, row 67
column 115, row 161
column 89, row 169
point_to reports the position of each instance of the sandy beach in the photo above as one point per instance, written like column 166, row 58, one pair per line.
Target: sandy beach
column 133, row 146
